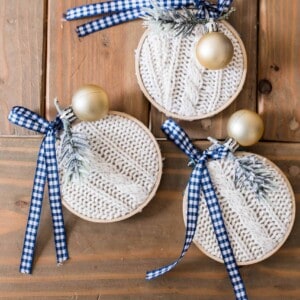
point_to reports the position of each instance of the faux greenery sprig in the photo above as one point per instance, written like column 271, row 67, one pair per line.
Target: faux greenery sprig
column 251, row 173
column 181, row 21
column 73, row 152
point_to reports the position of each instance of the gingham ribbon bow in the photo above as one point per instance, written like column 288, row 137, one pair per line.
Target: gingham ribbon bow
column 46, row 169
column 200, row 181
column 120, row 11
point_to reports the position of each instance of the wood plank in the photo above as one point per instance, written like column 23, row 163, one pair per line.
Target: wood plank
column 105, row 58
column 279, row 60
column 21, row 59
column 108, row 261
column 244, row 20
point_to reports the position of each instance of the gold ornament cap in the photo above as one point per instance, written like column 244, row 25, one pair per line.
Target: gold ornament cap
column 90, row 103
column 246, row 127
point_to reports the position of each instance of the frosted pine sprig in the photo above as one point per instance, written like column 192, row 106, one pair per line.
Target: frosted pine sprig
column 74, row 156
column 252, row 174
column 181, row 22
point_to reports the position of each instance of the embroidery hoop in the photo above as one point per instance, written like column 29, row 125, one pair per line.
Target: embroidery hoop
column 199, row 115
column 143, row 130
column 268, row 254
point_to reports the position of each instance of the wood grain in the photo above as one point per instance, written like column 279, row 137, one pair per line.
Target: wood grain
column 105, row 58
column 21, row 59
column 279, row 61
column 108, row 261
column 244, row 20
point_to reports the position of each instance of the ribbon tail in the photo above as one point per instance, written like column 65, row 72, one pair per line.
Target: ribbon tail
column 108, row 21
column 117, row 6
column 194, row 189
column 55, row 200
column 108, row 7
column 34, row 213
column 222, row 237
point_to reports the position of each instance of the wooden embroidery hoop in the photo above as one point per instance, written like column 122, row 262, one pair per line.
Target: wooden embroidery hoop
column 288, row 230
column 200, row 116
column 155, row 186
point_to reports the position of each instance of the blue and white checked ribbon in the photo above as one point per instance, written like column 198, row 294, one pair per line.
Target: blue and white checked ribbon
column 200, row 181
column 120, row 11
column 46, row 169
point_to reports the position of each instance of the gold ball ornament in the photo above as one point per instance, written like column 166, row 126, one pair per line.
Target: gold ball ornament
column 246, row 127
column 90, row 103
column 214, row 50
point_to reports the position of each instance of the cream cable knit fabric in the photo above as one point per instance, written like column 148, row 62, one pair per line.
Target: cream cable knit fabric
column 126, row 170
column 176, row 84
column 256, row 227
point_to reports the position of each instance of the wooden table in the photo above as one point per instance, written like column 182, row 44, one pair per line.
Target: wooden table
column 40, row 58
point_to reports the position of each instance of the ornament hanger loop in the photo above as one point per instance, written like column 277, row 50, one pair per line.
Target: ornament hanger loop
column 66, row 113
column 231, row 144
column 211, row 26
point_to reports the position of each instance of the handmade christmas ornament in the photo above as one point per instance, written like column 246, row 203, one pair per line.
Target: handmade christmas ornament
column 239, row 208
column 47, row 170
column 110, row 168
column 125, row 168
column 189, row 64
column 190, row 67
